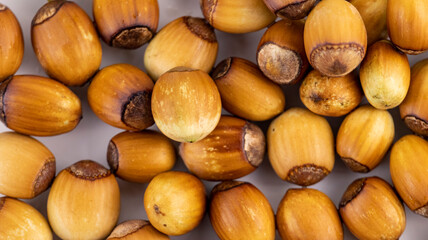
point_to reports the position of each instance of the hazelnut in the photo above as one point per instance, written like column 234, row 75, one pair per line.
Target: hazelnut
column 38, row 106
column 371, row 210
column 175, row 202
column 186, row 41
column 301, row 147
column 234, row 149
column 335, row 38
column 136, row 229
column 126, row 24
column 84, row 202
column 246, row 92
column 186, row 104
column 240, row 209
column 65, row 42
column 120, row 95
column 291, row 9
column 139, row 156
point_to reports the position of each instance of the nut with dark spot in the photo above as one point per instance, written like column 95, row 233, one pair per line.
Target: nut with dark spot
column 291, row 9
column 136, row 229
column 120, row 95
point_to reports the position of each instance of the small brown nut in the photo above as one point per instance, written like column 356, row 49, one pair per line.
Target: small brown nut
column 120, row 95
column 330, row 96
column 126, row 24
column 11, row 42
column 19, row 220
column 335, row 38
column 234, row 149
column 136, row 229
column 408, row 164
column 246, row 92
column 175, row 202
column 371, row 210
column 291, row 9
column 364, row 138
column 237, row 16
column 84, row 202
column 139, row 156
column 38, row 106
column 27, row 167
column 301, row 147
column 307, row 214
column 281, row 54
column 186, row 41
column 240, row 209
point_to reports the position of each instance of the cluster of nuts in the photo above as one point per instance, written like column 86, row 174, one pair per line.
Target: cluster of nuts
column 183, row 93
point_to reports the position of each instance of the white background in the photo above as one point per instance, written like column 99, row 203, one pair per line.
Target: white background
column 90, row 139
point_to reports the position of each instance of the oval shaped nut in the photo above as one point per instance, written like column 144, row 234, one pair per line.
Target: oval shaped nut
column 175, row 202
column 364, row 138
column 240, row 209
column 136, row 229
column 120, row 95
column 239, row 16
column 84, row 202
column 139, row 156
column 385, row 75
column 234, row 149
column 38, row 106
column 65, row 42
column 27, row 167
column 126, row 24
column 291, row 9
column 186, row 41
column 371, row 210
column 246, row 92
column 19, row 220
column 330, row 96
column 335, row 38
column 407, row 22
column 408, row 164
column 281, row 54
column 300, row 147
column 373, row 13
column 186, row 104
column 307, row 214
column 413, row 109
column 11, row 42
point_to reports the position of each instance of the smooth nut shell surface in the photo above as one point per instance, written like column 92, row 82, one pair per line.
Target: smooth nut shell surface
column 19, row 220
column 11, row 42
column 246, row 92
column 27, row 167
column 238, row 211
column 407, row 25
column 186, row 104
column 307, row 214
column 330, row 96
column 234, row 149
column 408, row 164
column 335, row 38
column 238, row 16
column 413, row 110
column 291, row 9
column 65, row 42
column 126, row 24
column 371, row 210
column 281, row 54
column 175, row 202
column 373, row 13
column 38, row 106
column 301, row 146
column 186, row 41
column 139, row 156
column 120, row 95
column 136, row 229
column 364, row 138
column 385, row 75
column 84, row 202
